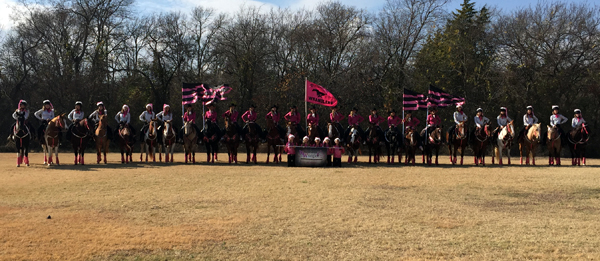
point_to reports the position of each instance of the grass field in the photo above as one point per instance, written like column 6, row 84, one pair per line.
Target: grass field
column 265, row 212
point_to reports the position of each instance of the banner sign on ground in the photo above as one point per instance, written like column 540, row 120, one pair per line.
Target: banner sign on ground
column 311, row 157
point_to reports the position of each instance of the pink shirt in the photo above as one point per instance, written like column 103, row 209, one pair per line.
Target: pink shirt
column 412, row 123
column 274, row 116
column 249, row 116
column 289, row 148
column 355, row 120
column 231, row 115
column 433, row 121
column 292, row 118
column 211, row 116
column 336, row 117
column 337, row 151
column 189, row 117
column 314, row 120
column 394, row 121
column 375, row 119
column 329, row 150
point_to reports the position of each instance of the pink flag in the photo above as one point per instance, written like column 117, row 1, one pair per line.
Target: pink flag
column 318, row 95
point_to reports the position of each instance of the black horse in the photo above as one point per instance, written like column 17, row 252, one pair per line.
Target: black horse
column 392, row 144
column 578, row 139
column 212, row 135
column 21, row 135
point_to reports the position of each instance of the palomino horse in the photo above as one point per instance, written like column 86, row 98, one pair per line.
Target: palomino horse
column 480, row 142
column 101, row 138
column 22, row 136
column 190, row 139
column 251, row 139
column 578, row 139
column 504, row 142
column 374, row 144
column 393, row 145
column 529, row 142
column 353, row 144
column 434, row 142
column 125, row 143
column 169, row 141
column 410, row 146
column 150, row 141
column 292, row 129
column 273, row 140
column 232, row 140
column 80, row 137
column 211, row 141
column 554, row 146
column 458, row 140
column 51, row 139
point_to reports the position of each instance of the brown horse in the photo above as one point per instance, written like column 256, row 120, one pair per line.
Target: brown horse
column 231, row 139
column 353, row 144
column 578, row 139
column 51, row 139
column 80, row 137
column 251, row 139
column 125, row 143
column 101, row 138
column 313, row 132
column 190, row 139
column 150, row 141
column 292, row 129
column 480, row 142
column 529, row 142
column 333, row 131
column 273, row 140
column 410, row 146
column 374, row 144
column 168, row 142
column 554, row 146
column 459, row 142
column 434, row 142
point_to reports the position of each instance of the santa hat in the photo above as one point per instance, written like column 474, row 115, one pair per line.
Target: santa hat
column 151, row 107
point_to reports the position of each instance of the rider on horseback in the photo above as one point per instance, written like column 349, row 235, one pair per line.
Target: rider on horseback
column 21, row 111
column 375, row 119
column 124, row 117
column 480, row 122
column 354, row 120
column 75, row 116
column 249, row 117
column 96, row 117
column 433, row 121
column 502, row 120
column 45, row 115
column 411, row 123
column 164, row 115
column 232, row 114
column 459, row 118
column 393, row 121
column 556, row 119
column 294, row 117
column 577, row 119
column 313, row 119
column 189, row 116
column 146, row 117
column 335, row 118
column 275, row 116
column 528, row 120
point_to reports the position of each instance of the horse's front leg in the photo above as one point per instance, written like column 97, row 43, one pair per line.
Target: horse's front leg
column 268, row 153
column 99, row 152
column 508, row 155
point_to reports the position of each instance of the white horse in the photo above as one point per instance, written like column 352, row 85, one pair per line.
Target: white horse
column 504, row 142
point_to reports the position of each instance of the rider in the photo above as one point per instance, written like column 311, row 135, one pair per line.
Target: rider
column 294, row 117
column 354, row 120
column 123, row 116
column 189, row 116
column 75, row 116
column 146, row 117
column 232, row 114
column 313, row 119
column 164, row 115
column 22, row 110
column 481, row 121
column 393, row 120
column 459, row 117
column 528, row 120
column 556, row 119
column 577, row 119
column 502, row 121
column 433, row 121
column 375, row 119
column 45, row 115
column 335, row 117
column 96, row 117
column 249, row 117
column 411, row 123
column 275, row 117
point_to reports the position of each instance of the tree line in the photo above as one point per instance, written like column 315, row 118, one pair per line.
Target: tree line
column 102, row 50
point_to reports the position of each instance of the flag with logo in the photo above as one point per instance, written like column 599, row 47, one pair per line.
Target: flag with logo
column 318, row 95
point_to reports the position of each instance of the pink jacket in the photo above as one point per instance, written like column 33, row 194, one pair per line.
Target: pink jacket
column 314, row 120
column 249, row 116
column 433, row 121
column 376, row 119
column 189, row 117
column 211, row 116
column 337, row 117
column 412, row 123
column 289, row 148
column 355, row 120
column 292, row 118
column 337, row 151
column 274, row 116
column 394, row 121
column 231, row 115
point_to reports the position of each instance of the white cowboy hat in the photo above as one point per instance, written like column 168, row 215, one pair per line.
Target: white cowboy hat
column 555, row 107
column 577, row 111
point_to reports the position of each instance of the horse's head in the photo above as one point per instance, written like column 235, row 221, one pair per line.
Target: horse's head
column 152, row 127
column 460, row 130
column 20, row 123
column 534, row 132
column 188, row 128
column 59, row 121
column 510, row 127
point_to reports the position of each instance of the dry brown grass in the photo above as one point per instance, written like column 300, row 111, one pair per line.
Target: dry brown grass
column 182, row 212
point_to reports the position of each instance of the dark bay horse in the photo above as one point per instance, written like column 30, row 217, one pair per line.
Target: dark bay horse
column 529, row 142
column 150, row 141
column 273, row 140
column 190, row 140
column 22, row 137
column 353, row 144
column 51, row 139
column 251, row 139
column 393, row 145
column 374, row 144
column 434, row 142
column 458, row 141
column 578, row 139
column 125, row 142
column 410, row 146
column 211, row 134
column 480, row 143
column 231, row 140
column 80, row 137
column 101, row 138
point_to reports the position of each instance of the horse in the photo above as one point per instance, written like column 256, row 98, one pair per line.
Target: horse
column 353, row 144
column 51, row 139
column 410, row 146
column 434, row 142
column 554, row 146
column 22, row 137
column 374, row 144
column 168, row 142
column 392, row 145
column 80, row 137
column 101, row 138
column 480, row 143
column 232, row 140
column 528, row 143
column 504, row 141
column 333, row 131
column 313, row 132
column 150, row 141
column 211, row 140
column 578, row 139
column 292, row 129
column 251, row 140
column 125, row 143
column 459, row 143
column 190, row 139
column 273, row 140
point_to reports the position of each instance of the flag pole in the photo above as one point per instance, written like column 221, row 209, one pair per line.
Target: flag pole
column 203, row 115
column 305, row 102
column 404, row 128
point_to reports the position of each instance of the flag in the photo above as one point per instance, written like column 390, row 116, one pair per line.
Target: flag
column 318, row 95
column 414, row 101
column 441, row 98
column 212, row 95
column 189, row 94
